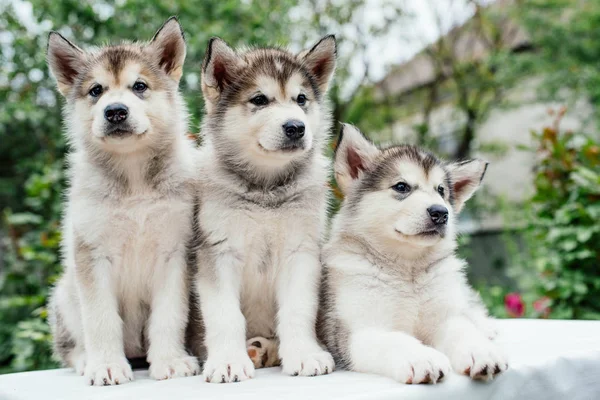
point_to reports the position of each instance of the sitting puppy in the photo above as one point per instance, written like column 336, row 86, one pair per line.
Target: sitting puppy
column 263, row 207
column 395, row 300
column 124, row 292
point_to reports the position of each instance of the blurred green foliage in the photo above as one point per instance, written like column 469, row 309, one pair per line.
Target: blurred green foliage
column 559, row 265
column 567, row 48
column 562, row 235
column 557, row 272
column 566, row 232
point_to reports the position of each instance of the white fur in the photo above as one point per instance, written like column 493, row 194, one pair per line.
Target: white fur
column 124, row 237
column 402, row 300
column 241, row 298
column 259, row 268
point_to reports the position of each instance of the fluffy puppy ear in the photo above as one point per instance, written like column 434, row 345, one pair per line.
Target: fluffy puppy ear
column 65, row 61
column 320, row 61
column 168, row 46
column 218, row 69
column 465, row 179
column 354, row 155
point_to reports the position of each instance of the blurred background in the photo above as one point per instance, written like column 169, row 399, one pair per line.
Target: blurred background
column 514, row 82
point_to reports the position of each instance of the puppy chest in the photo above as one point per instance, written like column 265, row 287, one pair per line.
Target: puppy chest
column 139, row 236
column 258, row 291
column 417, row 305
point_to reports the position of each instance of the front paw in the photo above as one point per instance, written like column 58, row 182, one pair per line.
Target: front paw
column 174, row 367
column 230, row 369
column 422, row 364
column 110, row 373
column 482, row 360
column 307, row 363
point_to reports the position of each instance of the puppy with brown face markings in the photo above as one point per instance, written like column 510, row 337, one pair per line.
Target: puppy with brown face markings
column 128, row 218
column 395, row 299
column 262, row 207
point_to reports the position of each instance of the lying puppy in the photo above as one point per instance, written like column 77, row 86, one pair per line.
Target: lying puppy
column 263, row 205
column 395, row 297
column 124, row 292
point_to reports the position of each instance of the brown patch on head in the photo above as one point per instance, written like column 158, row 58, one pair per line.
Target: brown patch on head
column 71, row 65
column 107, row 68
column 114, row 59
column 385, row 167
column 227, row 74
column 275, row 64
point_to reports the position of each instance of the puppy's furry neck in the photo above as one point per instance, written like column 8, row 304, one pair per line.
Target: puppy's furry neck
column 243, row 172
column 149, row 168
column 420, row 261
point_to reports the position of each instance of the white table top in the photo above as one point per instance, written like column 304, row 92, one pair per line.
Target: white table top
column 548, row 360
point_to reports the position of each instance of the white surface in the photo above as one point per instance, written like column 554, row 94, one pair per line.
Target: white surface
column 548, row 360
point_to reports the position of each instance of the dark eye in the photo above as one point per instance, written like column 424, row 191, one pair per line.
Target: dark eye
column 441, row 190
column 139, row 87
column 259, row 100
column 96, row 91
column 401, row 187
column 301, row 100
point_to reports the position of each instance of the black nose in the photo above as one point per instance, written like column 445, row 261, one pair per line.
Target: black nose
column 294, row 129
column 116, row 112
column 438, row 214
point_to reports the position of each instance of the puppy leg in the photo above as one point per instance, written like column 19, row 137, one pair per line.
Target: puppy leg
column 470, row 350
column 297, row 295
column 263, row 352
column 396, row 355
column 64, row 315
column 218, row 288
column 168, row 319
column 102, row 325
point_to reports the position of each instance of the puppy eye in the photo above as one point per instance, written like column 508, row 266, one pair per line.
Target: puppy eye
column 301, row 100
column 401, row 187
column 259, row 100
column 139, row 87
column 441, row 190
column 95, row 91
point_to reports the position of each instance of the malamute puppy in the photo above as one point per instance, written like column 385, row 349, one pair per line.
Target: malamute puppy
column 263, row 202
column 124, row 292
column 395, row 300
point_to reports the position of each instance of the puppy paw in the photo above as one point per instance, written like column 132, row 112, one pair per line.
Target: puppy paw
column 305, row 363
column 174, row 367
column 106, row 374
column 263, row 352
column 423, row 364
column 232, row 369
column 482, row 360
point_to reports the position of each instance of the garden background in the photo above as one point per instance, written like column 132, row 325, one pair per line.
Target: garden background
column 442, row 74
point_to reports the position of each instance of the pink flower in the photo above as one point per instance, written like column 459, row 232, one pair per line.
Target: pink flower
column 542, row 306
column 514, row 305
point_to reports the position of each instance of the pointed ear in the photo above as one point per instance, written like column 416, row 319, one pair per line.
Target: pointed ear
column 65, row 61
column 354, row 154
column 465, row 178
column 320, row 60
column 218, row 69
column 168, row 46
